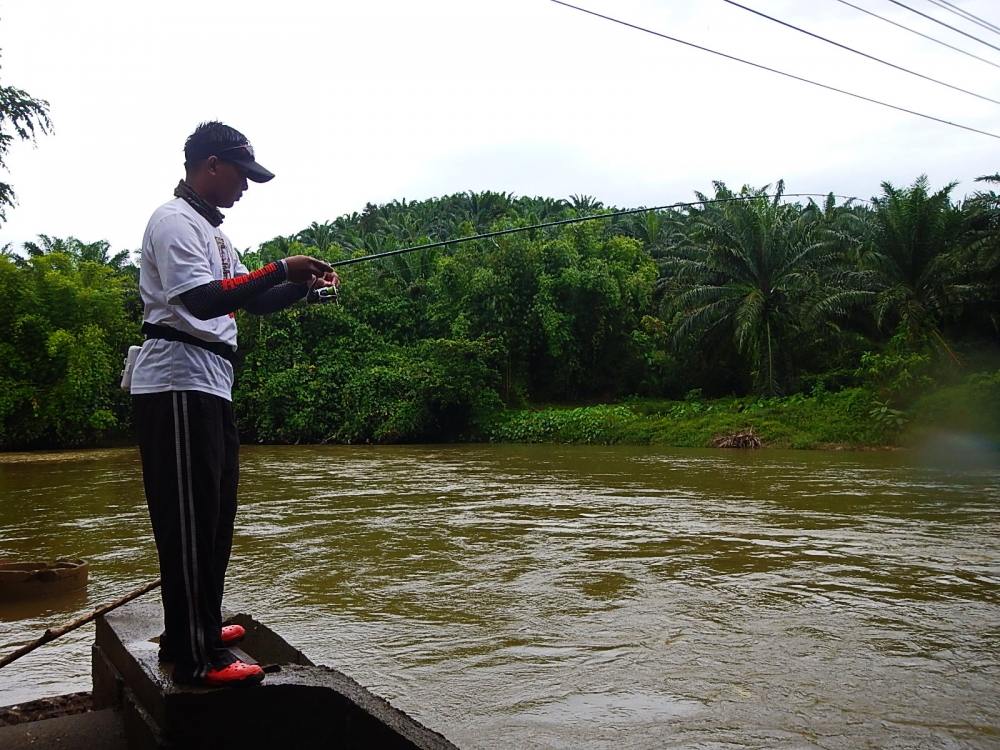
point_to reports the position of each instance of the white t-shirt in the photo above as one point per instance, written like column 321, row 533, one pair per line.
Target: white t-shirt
column 180, row 251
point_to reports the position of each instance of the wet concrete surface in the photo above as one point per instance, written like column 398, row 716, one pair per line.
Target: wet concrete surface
column 299, row 704
column 94, row 730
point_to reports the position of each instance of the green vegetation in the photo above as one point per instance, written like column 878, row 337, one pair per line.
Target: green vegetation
column 813, row 323
column 853, row 417
column 67, row 325
column 22, row 118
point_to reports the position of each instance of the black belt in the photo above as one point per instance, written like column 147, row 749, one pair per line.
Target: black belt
column 154, row 331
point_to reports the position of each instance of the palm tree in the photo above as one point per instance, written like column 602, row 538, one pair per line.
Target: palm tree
column 539, row 210
column 92, row 252
column 320, row 236
column 585, row 204
column 982, row 254
column 371, row 219
column 484, row 208
column 274, row 249
column 99, row 252
column 743, row 271
column 46, row 245
column 910, row 265
column 657, row 230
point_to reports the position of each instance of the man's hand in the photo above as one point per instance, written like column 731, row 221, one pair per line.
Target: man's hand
column 304, row 270
column 330, row 278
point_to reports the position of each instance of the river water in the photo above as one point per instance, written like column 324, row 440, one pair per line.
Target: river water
column 579, row 597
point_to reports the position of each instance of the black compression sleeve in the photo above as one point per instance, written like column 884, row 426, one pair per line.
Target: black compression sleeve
column 218, row 298
column 276, row 298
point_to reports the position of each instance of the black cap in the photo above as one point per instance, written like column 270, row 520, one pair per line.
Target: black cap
column 240, row 153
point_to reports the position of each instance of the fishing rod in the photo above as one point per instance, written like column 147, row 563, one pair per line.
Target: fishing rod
column 576, row 220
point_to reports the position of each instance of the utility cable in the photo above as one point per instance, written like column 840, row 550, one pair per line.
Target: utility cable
column 947, row 26
column 577, row 220
column 965, row 15
column 973, row 15
column 919, row 33
column 859, row 52
column 779, row 72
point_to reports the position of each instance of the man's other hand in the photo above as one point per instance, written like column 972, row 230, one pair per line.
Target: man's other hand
column 330, row 278
column 302, row 269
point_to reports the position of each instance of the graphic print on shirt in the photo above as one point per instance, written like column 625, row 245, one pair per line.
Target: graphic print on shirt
column 227, row 262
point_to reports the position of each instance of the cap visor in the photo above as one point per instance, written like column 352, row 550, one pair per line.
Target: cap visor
column 256, row 172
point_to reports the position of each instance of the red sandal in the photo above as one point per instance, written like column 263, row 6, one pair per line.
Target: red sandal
column 232, row 634
column 236, row 674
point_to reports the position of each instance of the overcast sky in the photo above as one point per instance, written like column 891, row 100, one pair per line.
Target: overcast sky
column 388, row 99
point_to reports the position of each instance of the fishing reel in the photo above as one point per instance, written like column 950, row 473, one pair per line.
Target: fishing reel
column 324, row 295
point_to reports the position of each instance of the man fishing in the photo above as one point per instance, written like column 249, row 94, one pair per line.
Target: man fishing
column 192, row 282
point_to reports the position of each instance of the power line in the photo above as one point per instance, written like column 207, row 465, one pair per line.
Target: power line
column 577, row 220
column 779, row 72
column 948, row 26
column 859, row 52
column 965, row 15
column 919, row 33
column 972, row 15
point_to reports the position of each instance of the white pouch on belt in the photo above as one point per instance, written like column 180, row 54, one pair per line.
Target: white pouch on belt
column 133, row 353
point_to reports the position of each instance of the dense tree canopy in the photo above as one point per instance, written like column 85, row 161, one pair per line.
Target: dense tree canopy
column 67, row 327
column 751, row 296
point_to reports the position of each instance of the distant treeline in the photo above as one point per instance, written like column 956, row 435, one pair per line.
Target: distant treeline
column 762, row 297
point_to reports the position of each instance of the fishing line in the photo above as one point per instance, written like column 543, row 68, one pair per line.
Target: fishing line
column 577, row 220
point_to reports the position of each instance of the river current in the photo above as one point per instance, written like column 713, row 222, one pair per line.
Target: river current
column 579, row 597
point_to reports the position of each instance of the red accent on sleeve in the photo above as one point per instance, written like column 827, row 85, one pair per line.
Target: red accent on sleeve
column 236, row 281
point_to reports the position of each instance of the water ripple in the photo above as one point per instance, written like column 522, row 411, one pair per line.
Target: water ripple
column 581, row 597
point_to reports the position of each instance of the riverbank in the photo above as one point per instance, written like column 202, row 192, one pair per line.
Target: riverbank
column 851, row 418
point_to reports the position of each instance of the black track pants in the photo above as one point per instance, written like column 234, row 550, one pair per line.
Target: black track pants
column 190, row 469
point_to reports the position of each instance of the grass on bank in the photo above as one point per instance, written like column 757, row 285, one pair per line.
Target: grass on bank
column 854, row 417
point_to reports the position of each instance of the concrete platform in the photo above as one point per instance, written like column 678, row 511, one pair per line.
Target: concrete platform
column 94, row 730
column 299, row 704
